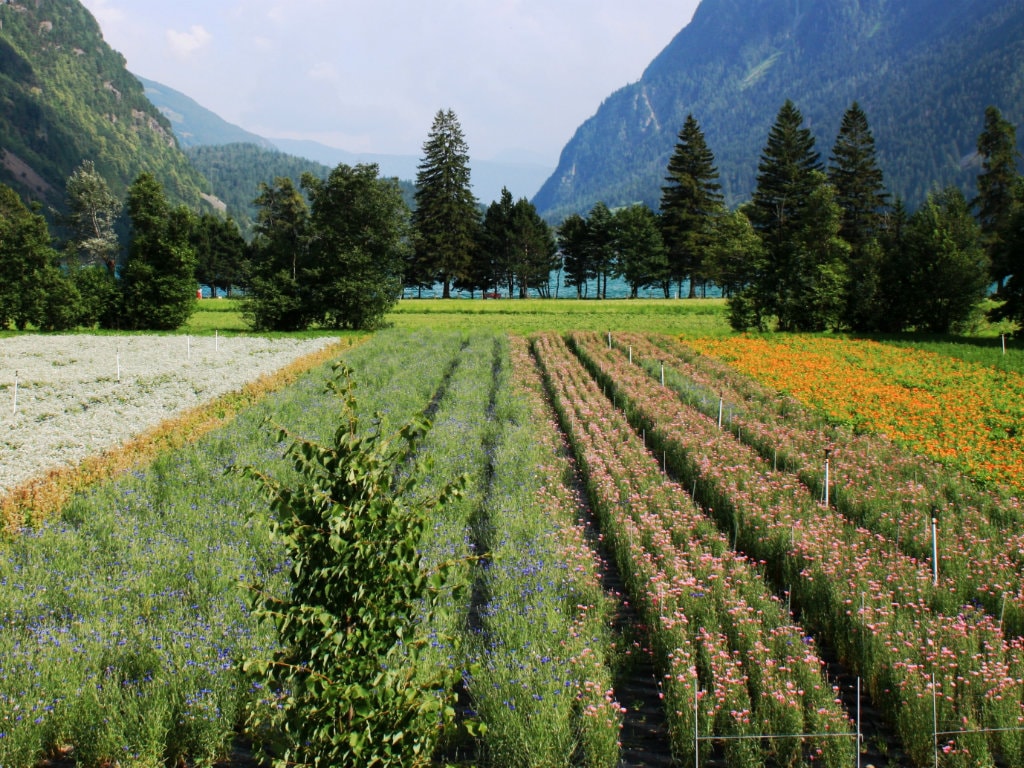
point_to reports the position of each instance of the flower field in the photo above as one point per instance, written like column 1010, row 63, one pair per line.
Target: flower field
column 965, row 414
column 63, row 398
column 124, row 620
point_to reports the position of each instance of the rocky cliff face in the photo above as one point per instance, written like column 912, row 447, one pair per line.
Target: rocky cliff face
column 923, row 70
column 66, row 97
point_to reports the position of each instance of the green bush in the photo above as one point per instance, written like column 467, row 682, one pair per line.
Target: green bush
column 346, row 688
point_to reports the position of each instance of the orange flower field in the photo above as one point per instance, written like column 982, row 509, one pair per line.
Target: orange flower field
column 963, row 414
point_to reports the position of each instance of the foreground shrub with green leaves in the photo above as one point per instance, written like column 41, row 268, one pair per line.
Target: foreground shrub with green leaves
column 346, row 686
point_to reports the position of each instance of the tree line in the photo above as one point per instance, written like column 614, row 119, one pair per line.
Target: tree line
column 329, row 252
column 819, row 247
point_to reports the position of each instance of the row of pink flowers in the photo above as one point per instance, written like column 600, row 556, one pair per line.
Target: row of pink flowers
column 715, row 626
column 854, row 588
column 873, row 482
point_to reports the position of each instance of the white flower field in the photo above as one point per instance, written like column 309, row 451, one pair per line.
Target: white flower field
column 63, row 398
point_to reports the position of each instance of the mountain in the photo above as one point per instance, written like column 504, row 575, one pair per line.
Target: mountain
column 67, row 97
column 522, row 176
column 923, row 70
column 236, row 171
column 194, row 125
column 197, row 126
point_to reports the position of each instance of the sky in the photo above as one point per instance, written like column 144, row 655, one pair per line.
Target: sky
column 368, row 76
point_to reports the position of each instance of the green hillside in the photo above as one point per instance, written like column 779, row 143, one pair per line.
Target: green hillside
column 66, row 97
column 923, row 70
column 235, row 172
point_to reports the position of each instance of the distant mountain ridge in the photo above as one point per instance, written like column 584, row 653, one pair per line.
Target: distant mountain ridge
column 197, row 126
column 67, row 97
column 193, row 124
column 923, row 70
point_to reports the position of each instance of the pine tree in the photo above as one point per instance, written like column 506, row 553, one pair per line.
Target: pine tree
column 689, row 202
column 496, row 265
column 996, row 201
column 789, row 173
column 860, row 193
column 859, row 184
column 446, row 217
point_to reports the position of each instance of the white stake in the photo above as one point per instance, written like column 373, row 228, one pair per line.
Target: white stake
column 827, row 452
column 630, row 354
column 663, row 374
column 216, row 341
column 1003, row 337
column 935, row 552
column 14, row 409
column 721, row 403
column 609, row 339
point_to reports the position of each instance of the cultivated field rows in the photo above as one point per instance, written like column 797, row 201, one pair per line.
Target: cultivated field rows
column 925, row 657
column 717, row 541
column 63, row 398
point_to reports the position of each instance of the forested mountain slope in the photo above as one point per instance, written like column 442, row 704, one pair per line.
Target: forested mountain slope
column 65, row 96
column 193, row 124
column 923, row 70
column 236, row 170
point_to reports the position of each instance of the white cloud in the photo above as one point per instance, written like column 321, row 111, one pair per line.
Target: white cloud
column 184, row 44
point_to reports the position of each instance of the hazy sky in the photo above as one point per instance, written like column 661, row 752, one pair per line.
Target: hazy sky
column 369, row 75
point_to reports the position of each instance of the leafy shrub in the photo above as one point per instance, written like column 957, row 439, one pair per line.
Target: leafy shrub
column 345, row 688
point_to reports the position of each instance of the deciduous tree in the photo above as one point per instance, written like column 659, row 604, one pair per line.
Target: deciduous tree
column 158, row 283
column 359, row 224
column 92, row 213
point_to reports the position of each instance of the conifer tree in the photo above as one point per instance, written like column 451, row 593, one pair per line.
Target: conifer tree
column 689, row 202
column 861, row 196
column 859, row 184
column 996, row 201
column 785, row 176
column 446, row 217
column 789, row 175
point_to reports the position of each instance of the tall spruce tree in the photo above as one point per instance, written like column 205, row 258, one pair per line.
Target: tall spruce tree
column 785, row 176
column 689, row 202
column 996, row 201
column 446, row 216
column 789, row 173
column 861, row 196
